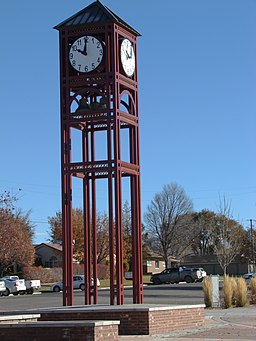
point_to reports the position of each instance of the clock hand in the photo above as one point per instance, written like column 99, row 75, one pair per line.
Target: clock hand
column 127, row 54
column 84, row 52
column 130, row 51
column 85, row 48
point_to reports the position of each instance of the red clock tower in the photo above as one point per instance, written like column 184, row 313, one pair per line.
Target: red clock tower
column 99, row 93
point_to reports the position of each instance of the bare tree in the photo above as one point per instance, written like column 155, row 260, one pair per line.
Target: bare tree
column 227, row 235
column 168, row 222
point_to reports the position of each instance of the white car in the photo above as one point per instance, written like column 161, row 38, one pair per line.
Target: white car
column 249, row 275
column 2, row 287
column 31, row 284
column 14, row 286
column 78, row 281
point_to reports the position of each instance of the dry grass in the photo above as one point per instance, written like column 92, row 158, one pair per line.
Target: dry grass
column 228, row 292
column 207, row 288
column 253, row 290
column 233, row 283
column 241, row 292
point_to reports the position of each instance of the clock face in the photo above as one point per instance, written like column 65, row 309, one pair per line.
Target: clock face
column 86, row 54
column 127, row 57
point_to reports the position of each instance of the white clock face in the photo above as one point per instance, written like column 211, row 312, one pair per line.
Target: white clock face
column 127, row 57
column 86, row 54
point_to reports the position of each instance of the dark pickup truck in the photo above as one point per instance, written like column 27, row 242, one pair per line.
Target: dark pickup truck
column 180, row 274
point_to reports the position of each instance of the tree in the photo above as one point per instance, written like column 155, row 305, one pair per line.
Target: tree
column 7, row 206
column 56, row 228
column 127, row 232
column 16, row 232
column 78, row 233
column 102, row 237
column 219, row 234
column 168, row 220
column 227, row 235
column 203, row 244
column 146, row 252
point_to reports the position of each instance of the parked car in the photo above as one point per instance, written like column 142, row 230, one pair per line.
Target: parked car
column 180, row 274
column 2, row 287
column 14, row 286
column 31, row 284
column 249, row 275
column 78, row 281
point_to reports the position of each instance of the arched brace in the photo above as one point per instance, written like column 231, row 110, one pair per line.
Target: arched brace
column 128, row 103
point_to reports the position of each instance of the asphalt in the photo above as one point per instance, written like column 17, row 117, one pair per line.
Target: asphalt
column 220, row 324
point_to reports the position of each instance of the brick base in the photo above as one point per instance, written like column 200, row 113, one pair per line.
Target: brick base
column 61, row 330
column 134, row 319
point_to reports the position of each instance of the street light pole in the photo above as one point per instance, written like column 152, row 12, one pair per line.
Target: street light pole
column 252, row 243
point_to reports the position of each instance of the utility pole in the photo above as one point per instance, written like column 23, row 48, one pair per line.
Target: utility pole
column 252, row 243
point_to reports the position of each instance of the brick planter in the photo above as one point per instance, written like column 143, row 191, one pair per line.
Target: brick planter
column 134, row 319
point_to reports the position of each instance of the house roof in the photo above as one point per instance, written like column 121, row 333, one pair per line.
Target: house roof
column 208, row 259
column 151, row 255
column 95, row 13
column 57, row 247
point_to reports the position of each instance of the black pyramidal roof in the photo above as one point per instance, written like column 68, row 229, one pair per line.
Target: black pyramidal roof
column 95, row 13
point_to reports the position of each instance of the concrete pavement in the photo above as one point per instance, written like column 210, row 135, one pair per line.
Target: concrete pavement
column 220, row 324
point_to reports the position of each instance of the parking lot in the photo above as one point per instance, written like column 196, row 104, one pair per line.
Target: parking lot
column 165, row 294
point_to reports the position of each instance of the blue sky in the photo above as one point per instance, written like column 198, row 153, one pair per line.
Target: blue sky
column 197, row 81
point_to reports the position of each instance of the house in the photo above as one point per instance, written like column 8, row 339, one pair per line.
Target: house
column 49, row 255
column 154, row 263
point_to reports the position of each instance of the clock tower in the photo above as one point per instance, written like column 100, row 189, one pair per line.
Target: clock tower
column 99, row 94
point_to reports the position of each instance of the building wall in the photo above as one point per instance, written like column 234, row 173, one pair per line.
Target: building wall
column 153, row 266
column 212, row 267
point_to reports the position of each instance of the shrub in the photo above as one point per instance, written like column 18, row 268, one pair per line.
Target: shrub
column 241, row 292
column 253, row 290
column 103, row 271
column 227, row 292
column 207, row 288
column 78, row 269
column 46, row 275
column 126, row 265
